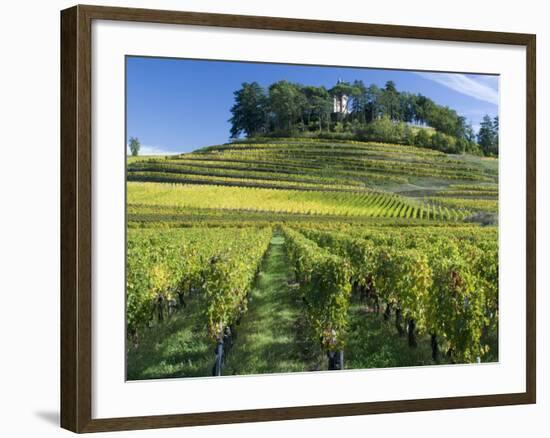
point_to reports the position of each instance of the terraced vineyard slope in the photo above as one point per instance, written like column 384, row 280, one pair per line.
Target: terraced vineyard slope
column 320, row 178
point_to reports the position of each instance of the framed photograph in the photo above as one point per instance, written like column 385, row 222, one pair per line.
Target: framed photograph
column 270, row 219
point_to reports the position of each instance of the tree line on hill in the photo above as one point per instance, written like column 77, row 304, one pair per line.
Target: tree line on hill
column 364, row 113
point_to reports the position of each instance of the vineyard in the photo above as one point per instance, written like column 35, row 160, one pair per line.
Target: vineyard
column 288, row 255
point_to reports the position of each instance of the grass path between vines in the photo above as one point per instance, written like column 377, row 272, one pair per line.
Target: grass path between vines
column 268, row 338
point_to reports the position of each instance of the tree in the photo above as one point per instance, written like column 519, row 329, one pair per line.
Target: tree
column 422, row 138
column 373, row 108
column 360, row 101
column 318, row 105
column 286, row 103
column 309, row 92
column 470, row 137
column 249, row 113
column 424, row 108
column 461, row 127
column 469, row 133
column 487, row 136
column 390, row 101
column 445, row 120
column 134, row 146
column 407, row 101
column 443, row 142
column 384, row 129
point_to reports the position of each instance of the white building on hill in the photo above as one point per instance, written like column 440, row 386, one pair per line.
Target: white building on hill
column 340, row 104
column 340, row 101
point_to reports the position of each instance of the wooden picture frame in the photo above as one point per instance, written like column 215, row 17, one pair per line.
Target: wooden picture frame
column 76, row 217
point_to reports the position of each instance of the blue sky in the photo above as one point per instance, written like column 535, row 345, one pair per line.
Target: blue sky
column 179, row 105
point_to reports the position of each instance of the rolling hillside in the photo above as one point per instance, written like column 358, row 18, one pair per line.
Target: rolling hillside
column 298, row 177
column 267, row 256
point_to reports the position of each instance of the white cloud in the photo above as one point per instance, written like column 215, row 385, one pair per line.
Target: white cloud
column 153, row 150
column 476, row 88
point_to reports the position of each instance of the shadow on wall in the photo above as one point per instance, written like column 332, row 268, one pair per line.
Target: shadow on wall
column 51, row 417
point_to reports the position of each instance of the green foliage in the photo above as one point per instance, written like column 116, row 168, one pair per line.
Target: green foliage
column 444, row 143
column 488, row 135
column 286, row 105
column 488, row 205
column 370, row 113
column 324, row 284
column 445, row 291
column 423, row 138
column 221, row 264
column 413, row 284
column 249, row 113
column 382, row 129
column 271, row 200
column 317, row 108
column 134, row 146
column 458, row 306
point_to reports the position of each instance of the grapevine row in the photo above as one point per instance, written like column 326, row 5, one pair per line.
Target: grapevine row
column 435, row 285
column 169, row 266
column 324, row 284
